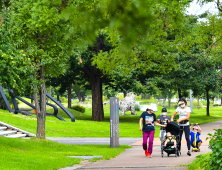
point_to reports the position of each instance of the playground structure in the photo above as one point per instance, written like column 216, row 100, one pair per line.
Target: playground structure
column 26, row 112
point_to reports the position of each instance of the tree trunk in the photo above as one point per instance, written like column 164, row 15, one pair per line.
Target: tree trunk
column 83, row 96
column 198, row 102
column 208, row 104
column 101, row 89
column 170, row 102
column 124, row 93
column 164, row 99
column 78, row 95
column 97, row 107
column 42, row 114
column 50, row 93
column 221, row 101
column 58, row 98
column 69, row 96
column 179, row 93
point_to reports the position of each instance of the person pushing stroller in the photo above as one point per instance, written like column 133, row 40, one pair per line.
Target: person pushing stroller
column 163, row 120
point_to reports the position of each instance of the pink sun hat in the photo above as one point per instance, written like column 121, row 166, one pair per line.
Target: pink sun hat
column 195, row 127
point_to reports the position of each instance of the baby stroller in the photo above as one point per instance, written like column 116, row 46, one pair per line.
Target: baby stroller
column 174, row 129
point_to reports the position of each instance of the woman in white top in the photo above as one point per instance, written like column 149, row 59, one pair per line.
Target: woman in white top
column 184, row 115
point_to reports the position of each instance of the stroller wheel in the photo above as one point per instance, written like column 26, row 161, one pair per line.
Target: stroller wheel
column 192, row 150
column 198, row 150
column 168, row 154
column 162, row 155
column 176, row 155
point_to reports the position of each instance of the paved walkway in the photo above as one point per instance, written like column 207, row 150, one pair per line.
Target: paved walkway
column 134, row 158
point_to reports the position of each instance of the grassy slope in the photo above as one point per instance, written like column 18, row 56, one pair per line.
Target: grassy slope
column 43, row 154
column 84, row 127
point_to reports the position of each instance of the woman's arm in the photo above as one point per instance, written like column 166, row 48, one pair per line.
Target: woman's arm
column 157, row 124
column 186, row 118
column 140, row 123
column 174, row 113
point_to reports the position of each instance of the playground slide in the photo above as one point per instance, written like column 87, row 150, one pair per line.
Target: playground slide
column 55, row 113
column 17, row 110
column 62, row 107
column 5, row 100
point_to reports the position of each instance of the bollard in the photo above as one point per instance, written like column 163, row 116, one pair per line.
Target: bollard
column 114, row 122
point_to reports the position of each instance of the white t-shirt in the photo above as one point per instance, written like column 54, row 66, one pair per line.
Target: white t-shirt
column 183, row 114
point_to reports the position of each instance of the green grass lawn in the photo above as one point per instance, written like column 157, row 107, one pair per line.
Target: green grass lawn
column 38, row 154
column 84, row 127
column 200, row 162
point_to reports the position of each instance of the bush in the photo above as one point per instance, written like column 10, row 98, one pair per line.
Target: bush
column 79, row 108
column 63, row 99
column 137, row 107
column 215, row 145
column 216, row 105
column 195, row 104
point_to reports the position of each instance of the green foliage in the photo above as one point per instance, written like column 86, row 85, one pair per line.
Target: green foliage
column 216, row 105
column 148, row 101
column 195, row 104
column 201, row 162
column 215, row 145
column 147, row 28
column 15, row 66
column 137, row 97
column 38, row 29
column 63, row 99
column 137, row 107
column 79, row 108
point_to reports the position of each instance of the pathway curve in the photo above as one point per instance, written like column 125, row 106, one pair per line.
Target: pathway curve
column 134, row 158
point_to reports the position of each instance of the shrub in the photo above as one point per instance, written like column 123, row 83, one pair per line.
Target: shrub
column 63, row 99
column 215, row 145
column 79, row 108
column 216, row 104
column 137, row 107
column 137, row 97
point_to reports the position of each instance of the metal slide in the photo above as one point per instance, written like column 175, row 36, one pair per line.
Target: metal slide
column 17, row 110
column 62, row 107
column 55, row 113
column 5, row 100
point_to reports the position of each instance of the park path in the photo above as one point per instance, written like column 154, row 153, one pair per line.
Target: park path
column 134, row 158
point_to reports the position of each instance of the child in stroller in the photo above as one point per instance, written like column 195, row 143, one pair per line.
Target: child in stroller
column 195, row 139
column 172, row 133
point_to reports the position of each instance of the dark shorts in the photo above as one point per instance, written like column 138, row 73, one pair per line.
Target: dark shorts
column 196, row 143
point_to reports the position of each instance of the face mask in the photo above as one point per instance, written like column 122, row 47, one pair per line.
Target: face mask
column 164, row 113
column 152, row 111
column 183, row 105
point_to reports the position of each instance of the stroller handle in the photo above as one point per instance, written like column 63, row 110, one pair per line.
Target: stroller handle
column 194, row 124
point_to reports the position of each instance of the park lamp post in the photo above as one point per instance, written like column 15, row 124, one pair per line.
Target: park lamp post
column 114, row 122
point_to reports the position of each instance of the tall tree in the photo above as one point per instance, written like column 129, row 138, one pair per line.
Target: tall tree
column 94, row 74
column 38, row 28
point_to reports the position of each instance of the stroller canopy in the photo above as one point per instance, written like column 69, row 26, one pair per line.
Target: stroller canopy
column 173, row 128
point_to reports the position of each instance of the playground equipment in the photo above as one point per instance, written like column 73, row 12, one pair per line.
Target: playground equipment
column 26, row 112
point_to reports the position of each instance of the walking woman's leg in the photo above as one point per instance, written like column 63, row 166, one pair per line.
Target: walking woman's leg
column 181, row 133
column 151, row 138
column 145, row 136
column 187, row 136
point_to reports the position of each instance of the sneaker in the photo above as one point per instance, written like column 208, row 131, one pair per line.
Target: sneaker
column 149, row 155
column 146, row 152
column 188, row 153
